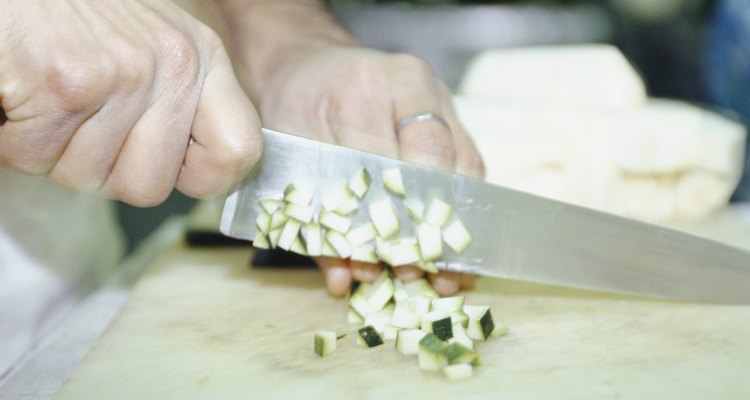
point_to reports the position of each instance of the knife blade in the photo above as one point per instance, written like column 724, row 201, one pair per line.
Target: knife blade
column 516, row 235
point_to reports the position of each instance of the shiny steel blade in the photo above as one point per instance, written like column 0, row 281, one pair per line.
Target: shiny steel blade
column 516, row 235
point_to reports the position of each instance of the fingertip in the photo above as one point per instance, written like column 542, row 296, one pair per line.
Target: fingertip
column 446, row 283
column 337, row 275
column 365, row 272
column 408, row 273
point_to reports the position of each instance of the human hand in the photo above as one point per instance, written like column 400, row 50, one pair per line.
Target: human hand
column 355, row 97
column 105, row 96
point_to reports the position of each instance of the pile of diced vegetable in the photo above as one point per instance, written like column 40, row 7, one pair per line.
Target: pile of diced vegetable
column 441, row 331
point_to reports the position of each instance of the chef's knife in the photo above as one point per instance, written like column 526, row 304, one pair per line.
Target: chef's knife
column 515, row 235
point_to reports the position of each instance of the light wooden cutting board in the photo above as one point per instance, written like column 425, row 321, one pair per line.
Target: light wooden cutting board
column 202, row 324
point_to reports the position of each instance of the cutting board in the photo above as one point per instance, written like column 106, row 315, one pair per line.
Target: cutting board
column 203, row 324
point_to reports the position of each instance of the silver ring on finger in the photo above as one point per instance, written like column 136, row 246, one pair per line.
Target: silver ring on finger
column 421, row 117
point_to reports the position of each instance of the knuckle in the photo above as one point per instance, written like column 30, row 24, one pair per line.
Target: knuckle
column 409, row 62
column 79, row 84
column 437, row 145
column 136, row 70
column 140, row 192
column 180, row 54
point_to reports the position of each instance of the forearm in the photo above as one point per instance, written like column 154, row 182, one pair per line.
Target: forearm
column 266, row 35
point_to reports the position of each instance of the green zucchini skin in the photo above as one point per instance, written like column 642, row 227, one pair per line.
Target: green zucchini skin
column 443, row 328
column 370, row 336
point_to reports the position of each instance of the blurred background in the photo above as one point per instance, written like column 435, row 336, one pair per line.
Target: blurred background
column 692, row 50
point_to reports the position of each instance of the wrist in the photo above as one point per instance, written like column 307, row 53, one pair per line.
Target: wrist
column 268, row 36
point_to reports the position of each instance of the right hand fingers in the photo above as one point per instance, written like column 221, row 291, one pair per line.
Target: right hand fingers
column 110, row 103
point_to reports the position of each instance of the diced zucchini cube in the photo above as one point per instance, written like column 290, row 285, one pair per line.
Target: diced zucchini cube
column 336, row 198
column 273, row 237
column 407, row 340
column 347, row 208
column 456, row 353
column 427, row 266
column 378, row 320
column 420, row 286
column 261, row 242
column 420, row 303
column 278, row 219
column 380, row 292
column 325, row 342
column 298, row 247
column 313, row 235
column 263, row 221
column 362, row 234
column 431, row 357
column 359, row 304
column 364, row 253
column 480, row 322
column 339, row 243
column 327, row 250
column 360, row 183
column 457, row 372
column 383, row 249
column 405, row 317
column 390, row 332
column 289, row 234
column 270, row 205
column 460, row 336
column 430, row 241
column 437, row 213
column 415, row 208
column 448, row 304
column 384, row 217
column 438, row 323
column 353, row 317
column 405, row 253
column 456, row 236
column 459, row 317
column 499, row 330
column 298, row 195
column 369, row 337
column 302, row 214
column 334, row 221
column 393, row 181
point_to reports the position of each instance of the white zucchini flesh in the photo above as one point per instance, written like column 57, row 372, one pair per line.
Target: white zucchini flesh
column 415, row 208
column 431, row 357
column 458, row 371
column 360, row 183
column 420, row 286
column 456, row 236
column 327, row 250
column 335, row 198
column 377, row 320
column 480, row 322
column 380, row 292
column 393, row 181
column 334, row 221
column 298, row 247
column 360, row 305
column 362, row 234
column 270, row 205
column 430, row 241
column 263, row 222
column 390, row 332
column 278, row 219
column 420, row 304
column 347, row 208
column 499, row 330
column 404, row 317
column 407, row 340
column 460, row 336
column 298, row 195
column 289, row 234
column 405, row 253
column 364, row 253
column 313, row 235
column 353, row 317
column 384, row 217
column 438, row 212
column 325, row 342
column 261, row 242
column 383, row 250
column 459, row 317
column 448, row 304
column 339, row 243
column 302, row 214
column 273, row 237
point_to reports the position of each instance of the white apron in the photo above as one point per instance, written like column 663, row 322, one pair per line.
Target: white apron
column 55, row 246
